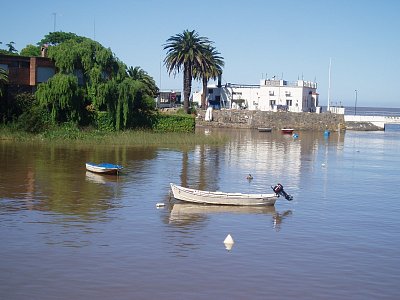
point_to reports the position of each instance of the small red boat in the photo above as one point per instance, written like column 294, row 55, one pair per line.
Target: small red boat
column 287, row 130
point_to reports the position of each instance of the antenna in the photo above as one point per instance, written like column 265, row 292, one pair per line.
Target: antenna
column 54, row 21
column 329, row 83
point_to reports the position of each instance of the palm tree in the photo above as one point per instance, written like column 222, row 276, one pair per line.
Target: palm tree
column 185, row 51
column 3, row 80
column 211, row 69
column 141, row 75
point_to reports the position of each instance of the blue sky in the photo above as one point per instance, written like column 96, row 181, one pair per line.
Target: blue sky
column 257, row 38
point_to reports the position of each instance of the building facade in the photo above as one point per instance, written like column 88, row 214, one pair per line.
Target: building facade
column 27, row 72
column 269, row 95
column 168, row 98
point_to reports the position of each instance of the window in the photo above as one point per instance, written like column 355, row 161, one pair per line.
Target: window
column 4, row 66
column 271, row 93
column 288, row 94
column 210, row 91
column 289, row 102
column 272, row 102
column 44, row 73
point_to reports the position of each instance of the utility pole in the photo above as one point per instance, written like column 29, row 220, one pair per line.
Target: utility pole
column 355, row 105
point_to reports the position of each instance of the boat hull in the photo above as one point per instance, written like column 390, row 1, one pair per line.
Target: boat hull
column 264, row 129
column 103, row 168
column 287, row 130
column 221, row 198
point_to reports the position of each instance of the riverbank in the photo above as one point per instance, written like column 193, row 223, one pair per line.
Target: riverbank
column 73, row 135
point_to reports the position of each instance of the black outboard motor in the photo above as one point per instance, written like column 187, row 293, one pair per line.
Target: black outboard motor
column 278, row 189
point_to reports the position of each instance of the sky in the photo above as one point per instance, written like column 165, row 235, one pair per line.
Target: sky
column 258, row 39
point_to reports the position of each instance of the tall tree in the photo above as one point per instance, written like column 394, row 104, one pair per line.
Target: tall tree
column 11, row 47
column 185, row 51
column 211, row 68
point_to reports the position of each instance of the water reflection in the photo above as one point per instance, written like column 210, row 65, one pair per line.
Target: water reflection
column 102, row 179
column 188, row 214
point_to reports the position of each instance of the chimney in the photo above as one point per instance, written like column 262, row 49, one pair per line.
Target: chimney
column 43, row 50
column 219, row 80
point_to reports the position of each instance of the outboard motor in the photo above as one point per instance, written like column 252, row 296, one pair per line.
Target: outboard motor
column 278, row 189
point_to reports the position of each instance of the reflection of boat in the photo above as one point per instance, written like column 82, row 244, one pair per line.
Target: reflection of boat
column 95, row 177
column 103, row 168
column 187, row 213
column 287, row 130
column 194, row 208
column 264, row 129
column 222, row 198
column 101, row 178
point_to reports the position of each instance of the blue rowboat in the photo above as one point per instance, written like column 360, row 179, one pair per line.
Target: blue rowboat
column 103, row 168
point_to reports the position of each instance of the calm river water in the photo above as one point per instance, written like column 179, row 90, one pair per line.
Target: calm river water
column 68, row 234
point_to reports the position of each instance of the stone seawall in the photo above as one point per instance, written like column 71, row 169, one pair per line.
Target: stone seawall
column 274, row 120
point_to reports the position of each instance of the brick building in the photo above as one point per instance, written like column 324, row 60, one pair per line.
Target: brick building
column 27, row 72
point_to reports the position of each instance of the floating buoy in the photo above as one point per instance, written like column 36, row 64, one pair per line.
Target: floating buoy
column 159, row 205
column 228, row 242
column 295, row 135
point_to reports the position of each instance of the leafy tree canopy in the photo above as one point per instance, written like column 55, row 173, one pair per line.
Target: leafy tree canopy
column 30, row 50
column 57, row 37
column 91, row 79
column 141, row 75
column 10, row 49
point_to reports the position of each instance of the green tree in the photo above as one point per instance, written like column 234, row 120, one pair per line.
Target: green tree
column 11, row 47
column 210, row 68
column 58, row 37
column 61, row 95
column 93, row 82
column 141, row 75
column 185, row 51
column 30, row 50
column 3, row 81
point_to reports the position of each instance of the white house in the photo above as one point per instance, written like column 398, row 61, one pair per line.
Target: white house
column 269, row 95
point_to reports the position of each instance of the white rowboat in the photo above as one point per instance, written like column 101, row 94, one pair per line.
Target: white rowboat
column 222, row 198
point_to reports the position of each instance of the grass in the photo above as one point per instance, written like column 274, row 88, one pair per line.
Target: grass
column 130, row 137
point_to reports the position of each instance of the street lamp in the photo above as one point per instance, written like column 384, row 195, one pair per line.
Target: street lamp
column 355, row 105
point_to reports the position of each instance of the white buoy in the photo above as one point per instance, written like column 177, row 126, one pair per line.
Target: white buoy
column 229, row 242
column 158, row 205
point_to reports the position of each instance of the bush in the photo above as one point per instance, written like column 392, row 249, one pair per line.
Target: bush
column 35, row 120
column 104, row 121
column 174, row 123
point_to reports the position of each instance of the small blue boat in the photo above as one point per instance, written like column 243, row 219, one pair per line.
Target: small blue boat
column 103, row 168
